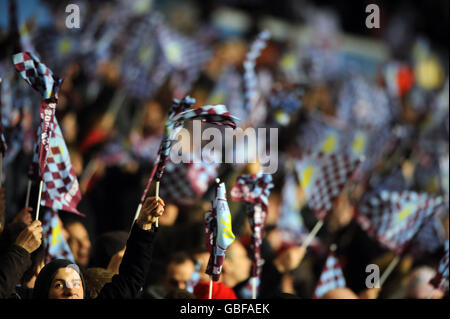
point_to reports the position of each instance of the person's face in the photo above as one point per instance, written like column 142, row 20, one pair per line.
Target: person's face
column 178, row 275
column 66, row 284
column 79, row 243
column 238, row 263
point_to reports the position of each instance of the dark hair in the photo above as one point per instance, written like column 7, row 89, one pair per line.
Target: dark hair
column 179, row 258
column 180, row 294
column 106, row 246
column 45, row 277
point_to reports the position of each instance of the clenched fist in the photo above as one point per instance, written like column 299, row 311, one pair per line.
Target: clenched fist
column 151, row 210
column 289, row 259
column 31, row 237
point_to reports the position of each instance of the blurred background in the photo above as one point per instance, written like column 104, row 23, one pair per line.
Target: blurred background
column 323, row 78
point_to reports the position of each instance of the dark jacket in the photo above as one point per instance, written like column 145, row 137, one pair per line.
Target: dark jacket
column 14, row 261
column 132, row 272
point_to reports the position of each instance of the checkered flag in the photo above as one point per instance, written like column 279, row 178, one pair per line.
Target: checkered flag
column 440, row 281
column 364, row 105
column 331, row 278
column 254, row 190
column 186, row 56
column 394, row 218
column 430, row 238
column 144, row 68
column 60, row 189
column 40, row 78
column 323, row 177
column 54, row 243
column 185, row 182
column 219, row 234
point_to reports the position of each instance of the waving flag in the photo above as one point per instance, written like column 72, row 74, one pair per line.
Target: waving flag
column 293, row 230
column 254, row 190
column 179, row 113
column 185, row 182
column 40, row 78
column 252, row 95
column 61, row 190
column 186, row 56
column 219, row 234
column 55, row 245
column 322, row 177
column 331, row 278
column 144, row 68
column 364, row 105
column 394, row 218
column 440, row 281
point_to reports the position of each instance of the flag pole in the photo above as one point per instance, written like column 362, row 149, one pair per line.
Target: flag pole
column 27, row 199
column 312, row 234
column 210, row 287
column 389, row 270
column 254, row 287
column 157, row 198
column 39, row 200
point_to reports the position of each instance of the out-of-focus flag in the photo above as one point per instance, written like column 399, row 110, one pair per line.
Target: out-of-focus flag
column 440, row 281
column 253, row 96
column 254, row 190
column 144, row 68
column 331, row 278
column 323, row 177
column 430, row 238
column 293, row 230
column 219, row 234
column 214, row 114
column 60, row 190
column 185, row 55
column 189, row 180
column 40, row 78
column 361, row 104
column 283, row 103
column 54, row 243
column 394, row 218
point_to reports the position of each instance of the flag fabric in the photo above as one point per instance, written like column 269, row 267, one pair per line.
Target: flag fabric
column 323, row 177
column 219, row 234
column 213, row 114
column 40, row 78
column 54, row 243
column 252, row 95
column 293, row 230
column 361, row 104
column 185, row 55
column 144, row 68
column 60, row 190
column 331, row 278
column 189, row 180
column 430, row 238
column 394, row 218
column 284, row 102
column 440, row 281
column 254, row 190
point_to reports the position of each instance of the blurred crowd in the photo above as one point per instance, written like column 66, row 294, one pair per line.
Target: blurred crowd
column 384, row 96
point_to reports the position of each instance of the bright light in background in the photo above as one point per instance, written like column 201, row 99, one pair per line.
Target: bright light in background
column 26, row 9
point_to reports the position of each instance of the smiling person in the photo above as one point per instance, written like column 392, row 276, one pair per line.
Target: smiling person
column 61, row 279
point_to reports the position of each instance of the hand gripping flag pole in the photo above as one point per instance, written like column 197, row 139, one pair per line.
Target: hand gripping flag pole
column 181, row 112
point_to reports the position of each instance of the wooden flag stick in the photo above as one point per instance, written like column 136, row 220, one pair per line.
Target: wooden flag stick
column 157, row 198
column 389, row 270
column 27, row 199
column 39, row 200
column 210, row 287
column 312, row 234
